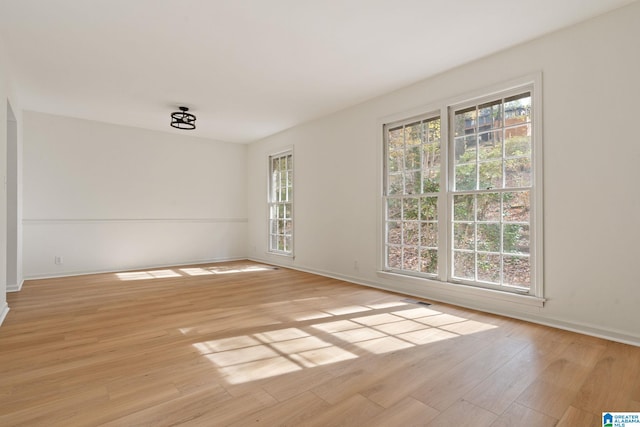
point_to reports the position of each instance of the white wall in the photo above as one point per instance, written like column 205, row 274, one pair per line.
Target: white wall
column 591, row 173
column 106, row 197
column 14, row 222
column 10, row 193
column 4, row 77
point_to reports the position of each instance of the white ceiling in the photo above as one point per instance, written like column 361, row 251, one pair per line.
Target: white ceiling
column 251, row 68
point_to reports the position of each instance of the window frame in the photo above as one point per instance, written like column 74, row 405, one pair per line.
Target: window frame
column 532, row 84
column 273, row 205
column 423, row 118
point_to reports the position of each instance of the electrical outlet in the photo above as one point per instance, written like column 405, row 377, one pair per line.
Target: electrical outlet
column 58, row 260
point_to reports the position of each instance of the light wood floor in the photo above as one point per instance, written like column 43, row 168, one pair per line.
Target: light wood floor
column 239, row 344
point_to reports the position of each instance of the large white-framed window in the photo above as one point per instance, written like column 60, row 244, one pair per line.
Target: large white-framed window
column 281, row 203
column 462, row 192
column 412, row 190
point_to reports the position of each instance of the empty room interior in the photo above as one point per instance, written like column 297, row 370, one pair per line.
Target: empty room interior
column 338, row 212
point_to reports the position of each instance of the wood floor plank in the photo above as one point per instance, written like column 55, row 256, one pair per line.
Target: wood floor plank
column 612, row 381
column 445, row 389
column 573, row 417
column 518, row 415
column 499, row 390
column 241, row 343
column 356, row 410
column 299, row 410
column 463, row 414
column 408, row 412
column 557, row 385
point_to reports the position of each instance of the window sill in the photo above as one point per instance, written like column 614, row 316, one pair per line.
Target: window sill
column 455, row 290
column 281, row 254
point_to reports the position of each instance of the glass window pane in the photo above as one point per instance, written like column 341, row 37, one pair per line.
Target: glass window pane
column 394, row 208
column 517, row 172
column 288, row 227
column 516, row 238
column 394, row 233
column 412, row 157
column 490, row 116
column 488, row 206
column 464, row 265
column 410, row 260
column 431, row 181
column 395, row 139
column 517, row 109
column 413, row 134
column 464, row 121
column 517, row 142
column 429, row 261
column 412, row 182
column 465, row 149
column 488, row 237
column 431, row 156
column 411, row 233
column 289, row 179
column 490, row 175
column 410, row 208
column 463, row 207
column 429, row 234
column 465, row 177
column 394, row 257
column 433, row 129
column 283, row 179
column 395, row 183
column 429, row 208
column 395, row 161
column 464, row 236
column 490, row 145
column 517, row 271
column 489, row 268
column 516, row 206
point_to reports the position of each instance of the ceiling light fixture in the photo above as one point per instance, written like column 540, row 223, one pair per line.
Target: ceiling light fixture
column 183, row 120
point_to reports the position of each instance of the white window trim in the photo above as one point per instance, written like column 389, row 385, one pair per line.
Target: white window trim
column 281, row 152
column 535, row 297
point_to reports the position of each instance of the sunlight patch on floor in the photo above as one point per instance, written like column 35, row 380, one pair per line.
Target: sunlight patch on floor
column 196, row 271
column 146, row 275
column 191, row 271
column 310, row 315
column 263, row 355
column 339, row 311
column 276, row 352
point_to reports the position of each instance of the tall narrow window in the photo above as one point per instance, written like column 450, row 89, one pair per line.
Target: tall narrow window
column 462, row 202
column 492, row 171
column 411, row 195
column 281, row 203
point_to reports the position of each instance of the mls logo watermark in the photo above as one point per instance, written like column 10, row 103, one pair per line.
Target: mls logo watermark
column 621, row 419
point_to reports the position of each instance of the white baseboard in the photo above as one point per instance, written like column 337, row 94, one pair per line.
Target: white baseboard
column 3, row 312
column 16, row 287
column 520, row 312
